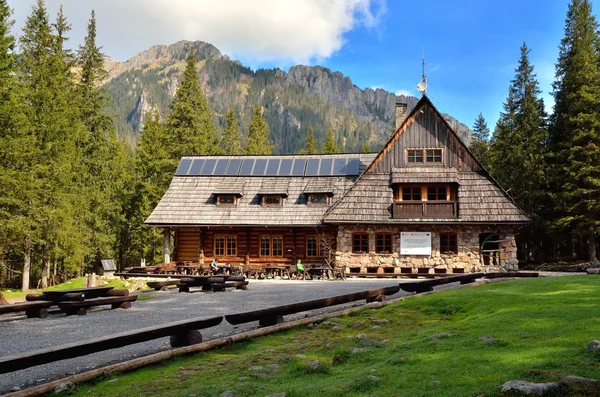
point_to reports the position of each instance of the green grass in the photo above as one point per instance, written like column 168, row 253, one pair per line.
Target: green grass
column 541, row 327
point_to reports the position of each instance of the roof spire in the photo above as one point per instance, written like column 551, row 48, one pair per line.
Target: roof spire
column 422, row 86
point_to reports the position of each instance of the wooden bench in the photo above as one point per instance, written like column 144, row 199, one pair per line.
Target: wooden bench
column 274, row 315
column 427, row 285
column 37, row 309
column 182, row 333
column 511, row 274
column 80, row 308
column 162, row 285
column 243, row 285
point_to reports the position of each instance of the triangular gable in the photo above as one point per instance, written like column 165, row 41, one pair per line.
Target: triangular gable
column 375, row 182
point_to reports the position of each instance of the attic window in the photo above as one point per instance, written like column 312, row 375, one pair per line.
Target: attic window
column 415, row 156
column 226, row 200
column 433, row 155
column 272, row 201
column 318, row 200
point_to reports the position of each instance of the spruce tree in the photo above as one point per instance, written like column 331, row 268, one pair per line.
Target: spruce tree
column 231, row 143
column 574, row 139
column 365, row 148
column 190, row 126
column 101, row 162
column 517, row 154
column 330, row 147
column 311, row 144
column 153, row 165
column 258, row 135
column 479, row 140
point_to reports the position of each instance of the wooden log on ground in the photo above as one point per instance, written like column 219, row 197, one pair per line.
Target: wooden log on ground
column 510, row 274
column 43, row 356
column 229, row 284
column 427, row 285
column 161, row 285
column 118, row 292
column 273, row 312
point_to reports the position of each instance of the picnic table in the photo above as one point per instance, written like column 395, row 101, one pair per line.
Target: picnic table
column 276, row 270
column 320, row 270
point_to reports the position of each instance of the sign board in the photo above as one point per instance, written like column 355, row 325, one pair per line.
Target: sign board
column 415, row 243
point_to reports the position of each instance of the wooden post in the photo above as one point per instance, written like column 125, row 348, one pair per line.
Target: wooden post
column 167, row 246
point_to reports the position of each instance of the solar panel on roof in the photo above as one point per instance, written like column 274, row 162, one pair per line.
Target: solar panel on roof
column 209, row 166
column 221, row 167
column 234, row 167
column 184, row 165
column 247, row 166
column 298, row 168
column 325, row 169
column 272, row 167
column 339, row 166
column 312, row 169
column 196, row 167
column 286, row 167
column 352, row 167
column 259, row 167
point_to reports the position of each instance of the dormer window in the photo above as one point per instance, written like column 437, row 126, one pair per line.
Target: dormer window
column 433, row 156
column 272, row 201
column 226, row 200
column 318, row 199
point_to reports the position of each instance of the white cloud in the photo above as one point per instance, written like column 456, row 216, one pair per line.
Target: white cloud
column 276, row 31
column 404, row 92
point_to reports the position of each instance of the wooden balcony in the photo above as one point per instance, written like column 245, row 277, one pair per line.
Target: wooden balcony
column 425, row 209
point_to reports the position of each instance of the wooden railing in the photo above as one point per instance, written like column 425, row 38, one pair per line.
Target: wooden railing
column 425, row 209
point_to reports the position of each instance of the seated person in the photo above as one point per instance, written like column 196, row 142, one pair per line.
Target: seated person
column 300, row 268
column 214, row 265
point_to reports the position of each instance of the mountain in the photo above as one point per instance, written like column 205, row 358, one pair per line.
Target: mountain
column 304, row 97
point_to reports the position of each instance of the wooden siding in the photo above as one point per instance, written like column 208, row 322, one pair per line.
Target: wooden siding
column 190, row 247
column 425, row 130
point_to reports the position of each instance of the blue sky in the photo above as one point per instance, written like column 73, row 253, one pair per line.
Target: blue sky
column 471, row 46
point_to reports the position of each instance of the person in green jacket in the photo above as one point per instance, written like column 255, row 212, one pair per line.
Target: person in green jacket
column 300, row 269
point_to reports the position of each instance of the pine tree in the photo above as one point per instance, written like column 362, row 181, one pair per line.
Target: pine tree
column 516, row 154
column 258, row 135
column 480, row 139
column 231, row 143
column 190, row 126
column 365, row 148
column 152, row 177
column 104, row 174
column 311, row 144
column 574, row 139
column 329, row 147
column 55, row 133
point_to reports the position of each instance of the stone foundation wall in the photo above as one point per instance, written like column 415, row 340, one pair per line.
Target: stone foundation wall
column 467, row 260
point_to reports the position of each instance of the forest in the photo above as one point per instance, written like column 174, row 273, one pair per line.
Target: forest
column 74, row 191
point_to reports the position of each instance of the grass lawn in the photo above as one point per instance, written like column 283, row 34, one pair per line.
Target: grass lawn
column 541, row 327
column 14, row 295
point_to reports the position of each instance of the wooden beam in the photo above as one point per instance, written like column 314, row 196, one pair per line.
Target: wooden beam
column 77, row 349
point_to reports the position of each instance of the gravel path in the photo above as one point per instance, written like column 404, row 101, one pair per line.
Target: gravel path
column 20, row 334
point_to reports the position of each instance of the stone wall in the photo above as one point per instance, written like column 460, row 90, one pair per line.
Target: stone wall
column 467, row 260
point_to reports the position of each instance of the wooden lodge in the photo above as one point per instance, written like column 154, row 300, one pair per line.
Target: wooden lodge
column 424, row 204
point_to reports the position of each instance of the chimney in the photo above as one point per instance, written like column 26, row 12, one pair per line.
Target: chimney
column 401, row 113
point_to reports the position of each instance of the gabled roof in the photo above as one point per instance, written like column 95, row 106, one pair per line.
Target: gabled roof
column 190, row 200
column 480, row 197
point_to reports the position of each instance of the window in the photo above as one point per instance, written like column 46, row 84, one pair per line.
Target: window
column 433, row 155
column 225, row 245
column 272, row 201
column 265, row 245
column 317, row 199
column 277, row 246
column 415, row 156
column 312, row 246
column 448, row 243
column 360, row 243
column 226, row 200
column 271, row 245
column 411, row 193
column 436, row 193
column 383, row 243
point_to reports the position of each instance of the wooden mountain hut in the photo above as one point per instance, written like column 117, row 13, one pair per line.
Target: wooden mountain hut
column 424, row 204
